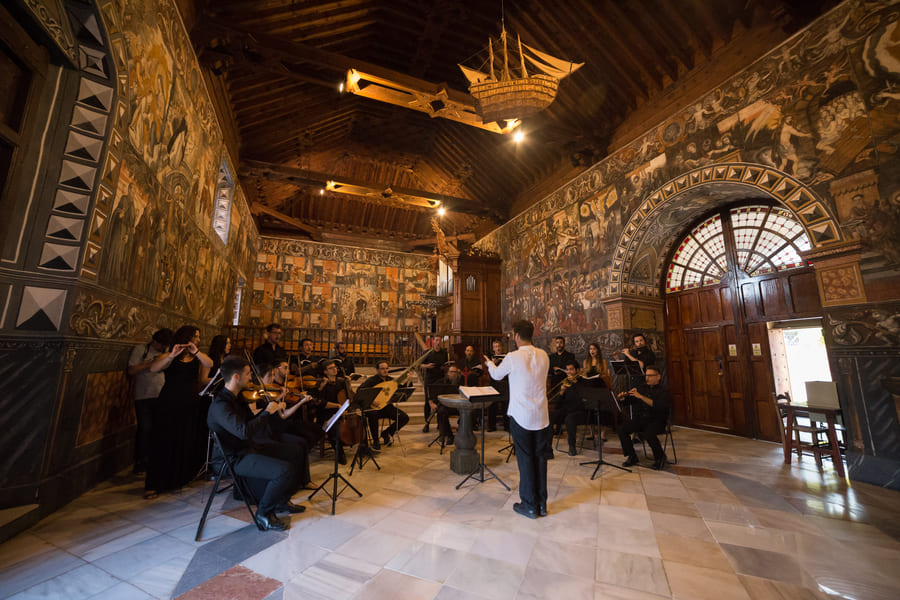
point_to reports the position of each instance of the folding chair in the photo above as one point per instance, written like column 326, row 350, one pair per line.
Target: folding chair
column 237, row 481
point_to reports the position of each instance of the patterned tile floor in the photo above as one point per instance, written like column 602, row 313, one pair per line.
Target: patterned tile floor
column 729, row 521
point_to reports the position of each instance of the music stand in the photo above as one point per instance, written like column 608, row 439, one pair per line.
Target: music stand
column 481, row 468
column 598, row 399
column 335, row 475
column 363, row 400
column 401, row 395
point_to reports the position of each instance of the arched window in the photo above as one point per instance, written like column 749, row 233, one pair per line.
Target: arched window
column 766, row 239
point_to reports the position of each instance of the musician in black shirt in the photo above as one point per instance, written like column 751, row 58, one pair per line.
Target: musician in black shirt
column 270, row 351
column 434, row 370
column 397, row 417
column 569, row 408
column 559, row 358
column 651, row 402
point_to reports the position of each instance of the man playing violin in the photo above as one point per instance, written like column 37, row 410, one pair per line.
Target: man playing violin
column 569, row 407
column 651, row 403
column 239, row 429
column 270, row 350
column 397, row 417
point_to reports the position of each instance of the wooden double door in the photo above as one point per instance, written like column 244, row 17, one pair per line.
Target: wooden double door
column 719, row 364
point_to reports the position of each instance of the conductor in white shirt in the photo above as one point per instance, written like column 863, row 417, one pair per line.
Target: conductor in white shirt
column 529, row 418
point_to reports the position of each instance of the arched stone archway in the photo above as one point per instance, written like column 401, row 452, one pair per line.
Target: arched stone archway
column 652, row 229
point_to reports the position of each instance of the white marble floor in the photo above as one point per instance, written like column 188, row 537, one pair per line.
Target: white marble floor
column 729, row 521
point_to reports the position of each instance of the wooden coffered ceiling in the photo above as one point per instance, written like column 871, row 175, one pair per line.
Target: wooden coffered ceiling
column 274, row 67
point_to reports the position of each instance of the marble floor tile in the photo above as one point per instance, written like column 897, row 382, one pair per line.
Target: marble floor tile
column 392, row 585
column 689, row 582
column 730, row 521
column 487, row 577
column 122, row 591
column 39, row 568
column 539, row 584
column 624, row 499
column 767, row 564
column 334, row 577
column 677, row 525
column 330, row 532
column 766, row 589
column 286, row 559
column 452, row 535
column 643, row 573
column 162, row 580
column 85, row 581
column 144, row 555
column 672, row 506
column 376, row 547
column 692, row 551
column 566, row 559
column 427, row 561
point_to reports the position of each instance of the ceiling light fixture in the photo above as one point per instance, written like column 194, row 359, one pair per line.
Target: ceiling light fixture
column 442, row 211
column 518, row 137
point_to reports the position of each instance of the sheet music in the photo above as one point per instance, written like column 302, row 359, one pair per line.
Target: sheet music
column 469, row 392
column 337, row 415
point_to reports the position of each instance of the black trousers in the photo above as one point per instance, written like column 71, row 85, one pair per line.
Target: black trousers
column 572, row 417
column 648, row 429
column 496, row 409
column 273, row 463
column 398, row 419
column 143, row 409
column 531, row 455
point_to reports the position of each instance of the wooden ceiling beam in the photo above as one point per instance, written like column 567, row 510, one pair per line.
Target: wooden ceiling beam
column 261, row 209
column 685, row 25
column 638, row 41
column 338, row 184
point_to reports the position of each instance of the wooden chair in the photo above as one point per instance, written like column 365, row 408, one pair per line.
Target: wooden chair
column 817, row 446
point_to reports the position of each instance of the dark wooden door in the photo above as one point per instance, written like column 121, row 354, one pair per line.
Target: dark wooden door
column 719, row 366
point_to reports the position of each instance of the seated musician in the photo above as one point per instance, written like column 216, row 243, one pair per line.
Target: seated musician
column 469, row 367
column 569, row 408
column 453, row 377
column 434, row 369
column 270, row 350
column 332, row 391
column 294, row 421
column 307, row 364
column 340, row 353
column 502, row 386
column 651, row 404
column 393, row 413
column 239, row 429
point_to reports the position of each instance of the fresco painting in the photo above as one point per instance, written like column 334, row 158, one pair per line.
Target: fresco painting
column 306, row 284
column 821, row 108
column 163, row 201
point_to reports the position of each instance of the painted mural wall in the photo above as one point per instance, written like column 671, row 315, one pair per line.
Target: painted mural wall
column 816, row 118
column 118, row 241
column 307, row 284
column 815, row 126
column 156, row 247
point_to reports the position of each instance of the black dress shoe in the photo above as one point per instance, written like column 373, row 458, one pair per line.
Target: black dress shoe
column 375, row 445
column 271, row 521
column 659, row 465
column 426, row 428
column 449, row 440
column 290, row 507
column 631, row 461
column 573, row 452
column 525, row 511
column 542, row 511
column 388, row 440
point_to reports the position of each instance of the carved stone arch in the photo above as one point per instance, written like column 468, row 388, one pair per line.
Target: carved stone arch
column 683, row 199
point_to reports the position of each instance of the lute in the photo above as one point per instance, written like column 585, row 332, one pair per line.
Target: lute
column 389, row 388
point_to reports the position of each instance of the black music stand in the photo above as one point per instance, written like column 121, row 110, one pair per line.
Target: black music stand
column 363, row 400
column 481, row 468
column 598, row 399
column 335, row 475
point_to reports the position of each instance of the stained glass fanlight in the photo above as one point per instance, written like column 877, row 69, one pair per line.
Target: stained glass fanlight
column 766, row 239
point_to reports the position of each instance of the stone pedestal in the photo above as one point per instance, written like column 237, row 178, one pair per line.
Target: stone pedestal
column 463, row 458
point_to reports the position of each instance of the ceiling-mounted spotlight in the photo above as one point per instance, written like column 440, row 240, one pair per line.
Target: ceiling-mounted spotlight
column 442, row 211
column 518, row 137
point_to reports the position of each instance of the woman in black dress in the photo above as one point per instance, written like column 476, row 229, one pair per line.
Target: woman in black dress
column 219, row 348
column 178, row 442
